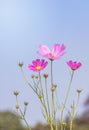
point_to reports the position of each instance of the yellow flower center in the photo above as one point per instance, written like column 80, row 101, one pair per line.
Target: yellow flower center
column 53, row 54
column 38, row 67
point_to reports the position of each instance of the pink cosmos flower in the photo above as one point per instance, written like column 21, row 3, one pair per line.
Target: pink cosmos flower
column 37, row 65
column 74, row 65
column 57, row 51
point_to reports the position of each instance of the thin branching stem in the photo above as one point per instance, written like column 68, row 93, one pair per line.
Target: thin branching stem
column 67, row 94
column 47, row 98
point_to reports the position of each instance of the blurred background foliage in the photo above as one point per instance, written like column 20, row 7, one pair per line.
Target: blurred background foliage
column 10, row 121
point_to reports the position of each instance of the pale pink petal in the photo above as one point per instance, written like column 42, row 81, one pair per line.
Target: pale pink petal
column 40, row 54
column 63, row 47
column 44, row 49
column 49, row 56
column 60, row 54
column 56, row 48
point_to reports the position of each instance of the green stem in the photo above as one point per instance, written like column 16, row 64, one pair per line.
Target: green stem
column 51, row 126
column 44, row 104
column 76, row 106
column 53, row 102
column 24, row 119
column 71, row 124
column 23, row 116
column 47, row 98
column 65, row 101
column 51, row 73
column 28, row 81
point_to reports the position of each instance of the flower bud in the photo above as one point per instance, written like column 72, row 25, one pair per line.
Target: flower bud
column 40, row 96
column 64, row 124
column 32, row 76
column 16, row 93
column 25, row 103
column 54, row 87
column 72, row 106
column 36, row 76
column 79, row 90
column 20, row 64
column 45, row 75
column 17, row 106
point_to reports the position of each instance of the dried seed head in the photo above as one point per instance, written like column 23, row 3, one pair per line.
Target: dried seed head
column 64, row 124
column 16, row 93
column 79, row 90
column 25, row 103
column 36, row 76
column 32, row 76
column 53, row 87
column 20, row 64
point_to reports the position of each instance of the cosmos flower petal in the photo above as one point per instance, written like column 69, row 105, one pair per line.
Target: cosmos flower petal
column 38, row 65
column 56, row 48
column 57, row 51
column 74, row 65
column 63, row 47
column 44, row 49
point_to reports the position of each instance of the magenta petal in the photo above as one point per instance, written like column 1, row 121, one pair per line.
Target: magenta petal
column 42, row 62
column 74, row 65
column 79, row 64
column 36, row 64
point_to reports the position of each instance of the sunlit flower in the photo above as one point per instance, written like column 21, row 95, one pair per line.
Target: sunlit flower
column 74, row 65
column 56, row 53
column 37, row 65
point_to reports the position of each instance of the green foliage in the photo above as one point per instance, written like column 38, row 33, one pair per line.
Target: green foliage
column 10, row 121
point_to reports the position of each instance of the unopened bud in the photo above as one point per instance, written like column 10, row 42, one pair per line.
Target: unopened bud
column 79, row 90
column 20, row 64
column 54, row 87
column 40, row 96
column 72, row 106
column 16, row 93
column 17, row 106
column 36, row 76
column 64, row 124
column 25, row 103
column 32, row 76
column 45, row 75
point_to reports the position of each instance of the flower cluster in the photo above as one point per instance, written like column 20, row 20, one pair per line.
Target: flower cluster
column 49, row 106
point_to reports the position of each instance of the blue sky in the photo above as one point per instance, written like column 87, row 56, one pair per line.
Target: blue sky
column 26, row 24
